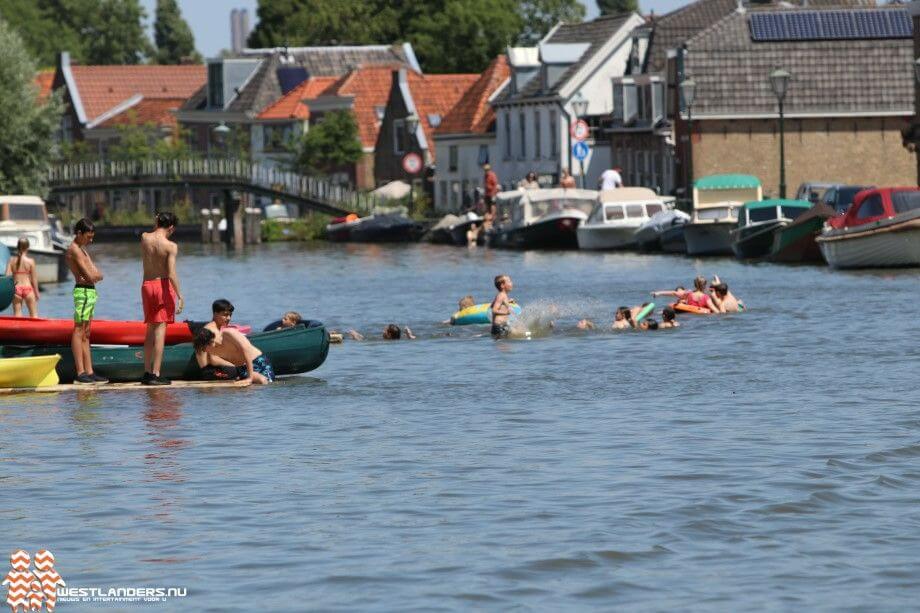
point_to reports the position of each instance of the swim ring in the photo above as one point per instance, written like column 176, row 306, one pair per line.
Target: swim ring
column 478, row 314
column 689, row 308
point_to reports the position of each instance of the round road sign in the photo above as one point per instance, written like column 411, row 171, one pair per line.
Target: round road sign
column 580, row 150
column 580, row 130
column 412, row 163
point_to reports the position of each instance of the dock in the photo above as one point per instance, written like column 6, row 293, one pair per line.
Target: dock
column 117, row 387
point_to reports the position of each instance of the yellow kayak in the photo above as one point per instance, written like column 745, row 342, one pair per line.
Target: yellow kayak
column 38, row 371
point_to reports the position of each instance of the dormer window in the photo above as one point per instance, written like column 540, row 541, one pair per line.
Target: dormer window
column 434, row 120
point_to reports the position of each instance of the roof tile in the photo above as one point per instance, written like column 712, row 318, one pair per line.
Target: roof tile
column 473, row 113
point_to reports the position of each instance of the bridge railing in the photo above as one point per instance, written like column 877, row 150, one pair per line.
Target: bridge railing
column 280, row 182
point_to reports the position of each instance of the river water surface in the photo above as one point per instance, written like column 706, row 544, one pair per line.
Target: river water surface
column 769, row 460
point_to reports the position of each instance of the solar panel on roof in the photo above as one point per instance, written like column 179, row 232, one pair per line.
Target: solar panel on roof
column 290, row 77
column 831, row 25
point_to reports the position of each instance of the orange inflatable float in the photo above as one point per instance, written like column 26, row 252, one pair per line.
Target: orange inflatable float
column 689, row 308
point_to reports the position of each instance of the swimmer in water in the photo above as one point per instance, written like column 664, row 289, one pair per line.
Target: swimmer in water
column 623, row 319
column 647, row 324
column 724, row 300
column 466, row 302
column 391, row 332
column 678, row 292
column 669, row 318
column 698, row 297
column 501, row 307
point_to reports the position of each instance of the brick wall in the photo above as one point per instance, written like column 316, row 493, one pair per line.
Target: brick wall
column 836, row 150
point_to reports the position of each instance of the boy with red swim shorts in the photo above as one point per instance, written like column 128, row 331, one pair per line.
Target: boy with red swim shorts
column 160, row 293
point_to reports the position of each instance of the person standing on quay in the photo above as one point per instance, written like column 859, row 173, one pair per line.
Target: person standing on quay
column 490, row 186
column 86, row 276
column 160, row 293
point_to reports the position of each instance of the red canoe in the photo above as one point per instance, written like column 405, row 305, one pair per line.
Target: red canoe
column 27, row 331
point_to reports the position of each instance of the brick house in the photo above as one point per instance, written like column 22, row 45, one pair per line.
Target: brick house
column 851, row 93
column 430, row 98
column 465, row 140
column 534, row 113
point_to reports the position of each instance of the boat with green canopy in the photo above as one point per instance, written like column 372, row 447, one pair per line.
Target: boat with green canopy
column 290, row 350
column 716, row 200
column 758, row 222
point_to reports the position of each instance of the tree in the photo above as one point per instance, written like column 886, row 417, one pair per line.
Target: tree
column 539, row 16
column 174, row 40
column 318, row 22
column 464, row 35
column 28, row 126
column 31, row 20
column 616, row 7
column 114, row 32
column 139, row 142
column 329, row 145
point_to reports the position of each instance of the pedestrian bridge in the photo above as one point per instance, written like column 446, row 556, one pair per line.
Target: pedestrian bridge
column 217, row 174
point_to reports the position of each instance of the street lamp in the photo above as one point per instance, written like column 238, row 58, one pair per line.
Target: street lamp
column 580, row 106
column 779, row 81
column 220, row 133
column 688, row 93
column 411, row 126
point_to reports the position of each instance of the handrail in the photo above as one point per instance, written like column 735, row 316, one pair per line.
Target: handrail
column 280, row 182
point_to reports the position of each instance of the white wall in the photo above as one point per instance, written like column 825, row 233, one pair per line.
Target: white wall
column 450, row 185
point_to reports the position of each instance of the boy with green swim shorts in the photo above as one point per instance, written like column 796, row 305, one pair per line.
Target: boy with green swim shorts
column 84, row 301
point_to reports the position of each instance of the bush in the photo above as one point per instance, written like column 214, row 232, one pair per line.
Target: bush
column 304, row 229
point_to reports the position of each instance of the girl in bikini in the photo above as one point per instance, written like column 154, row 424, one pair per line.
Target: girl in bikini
column 22, row 268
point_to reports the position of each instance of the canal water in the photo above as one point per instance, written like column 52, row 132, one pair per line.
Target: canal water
column 767, row 460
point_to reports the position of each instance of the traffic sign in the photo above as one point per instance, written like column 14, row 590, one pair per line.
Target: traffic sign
column 412, row 163
column 580, row 150
column 580, row 130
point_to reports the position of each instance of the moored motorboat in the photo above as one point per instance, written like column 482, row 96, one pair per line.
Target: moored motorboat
column 759, row 221
column 35, row 371
column 880, row 229
column 27, row 216
column 439, row 233
column 291, row 351
column 663, row 231
column 541, row 218
column 376, row 228
column 616, row 217
column 796, row 242
column 716, row 200
column 458, row 231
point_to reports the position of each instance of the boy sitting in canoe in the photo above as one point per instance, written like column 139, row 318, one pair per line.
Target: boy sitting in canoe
column 217, row 346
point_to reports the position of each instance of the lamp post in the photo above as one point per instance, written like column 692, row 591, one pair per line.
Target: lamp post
column 688, row 93
column 220, row 134
column 411, row 122
column 779, row 81
column 580, row 106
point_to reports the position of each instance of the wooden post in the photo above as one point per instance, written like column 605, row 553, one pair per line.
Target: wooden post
column 234, row 212
column 205, row 231
column 215, row 225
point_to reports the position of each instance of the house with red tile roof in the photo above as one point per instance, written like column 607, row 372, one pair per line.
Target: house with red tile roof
column 422, row 100
column 100, row 98
column 43, row 81
column 465, row 140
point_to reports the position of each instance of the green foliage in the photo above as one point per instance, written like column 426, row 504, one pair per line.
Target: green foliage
column 305, row 229
column 173, row 36
column 615, row 7
column 328, row 145
column 447, row 35
column 93, row 31
column 28, row 125
column 143, row 141
column 539, row 16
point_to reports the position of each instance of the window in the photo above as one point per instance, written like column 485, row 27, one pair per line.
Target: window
column 871, row 207
column 522, row 125
column 26, row 212
column 537, row 135
column 553, row 135
column 791, row 212
column 380, row 111
column 614, row 212
column 483, row 154
column 634, row 211
column 455, row 195
column 507, row 117
column 443, row 192
column 452, row 158
column 399, row 136
column 653, row 209
column 905, row 201
column 216, row 85
column 618, row 102
column 756, row 215
column 845, row 196
column 276, row 137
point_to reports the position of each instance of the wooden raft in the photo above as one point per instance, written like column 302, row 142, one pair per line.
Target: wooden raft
column 111, row 387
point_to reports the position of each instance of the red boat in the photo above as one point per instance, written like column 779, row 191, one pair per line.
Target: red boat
column 28, row 331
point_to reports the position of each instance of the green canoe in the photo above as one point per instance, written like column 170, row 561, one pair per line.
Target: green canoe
column 6, row 292
column 291, row 351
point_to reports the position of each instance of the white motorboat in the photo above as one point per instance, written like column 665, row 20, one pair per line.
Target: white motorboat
column 881, row 229
column 616, row 217
column 650, row 235
column 716, row 200
column 28, row 216
column 541, row 218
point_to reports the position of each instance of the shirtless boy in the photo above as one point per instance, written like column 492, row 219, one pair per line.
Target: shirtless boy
column 84, row 301
column 217, row 345
column 501, row 307
column 159, row 293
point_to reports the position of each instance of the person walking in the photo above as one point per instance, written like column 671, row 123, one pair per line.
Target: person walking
column 610, row 179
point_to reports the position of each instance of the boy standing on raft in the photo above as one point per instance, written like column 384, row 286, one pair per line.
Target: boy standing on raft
column 501, row 307
column 84, row 301
column 159, row 293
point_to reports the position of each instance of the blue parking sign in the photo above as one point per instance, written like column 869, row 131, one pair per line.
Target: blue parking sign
column 580, row 150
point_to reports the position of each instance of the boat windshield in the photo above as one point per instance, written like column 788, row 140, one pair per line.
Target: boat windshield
column 635, row 211
column 720, row 212
column 556, row 205
column 845, row 196
column 613, row 212
column 905, row 201
column 25, row 212
column 653, row 209
column 791, row 212
column 756, row 215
